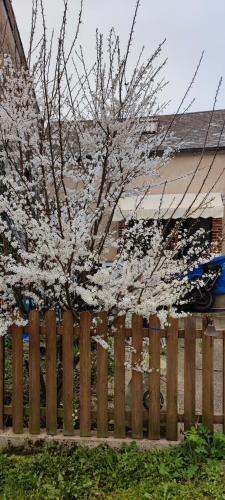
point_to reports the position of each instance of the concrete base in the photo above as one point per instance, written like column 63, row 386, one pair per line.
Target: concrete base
column 9, row 439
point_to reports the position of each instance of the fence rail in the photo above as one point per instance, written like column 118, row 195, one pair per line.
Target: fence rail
column 39, row 388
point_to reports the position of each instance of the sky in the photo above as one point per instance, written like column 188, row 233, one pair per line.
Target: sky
column 189, row 27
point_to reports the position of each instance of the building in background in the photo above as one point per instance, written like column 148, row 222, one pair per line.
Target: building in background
column 10, row 41
column 197, row 169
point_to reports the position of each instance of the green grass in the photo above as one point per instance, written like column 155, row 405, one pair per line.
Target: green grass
column 192, row 470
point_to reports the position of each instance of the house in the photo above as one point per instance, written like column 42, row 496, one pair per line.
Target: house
column 10, row 41
column 197, row 169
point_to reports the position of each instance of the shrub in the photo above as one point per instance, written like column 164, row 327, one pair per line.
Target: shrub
column 192, row 469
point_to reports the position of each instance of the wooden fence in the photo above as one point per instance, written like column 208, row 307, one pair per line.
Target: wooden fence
column 104, row 417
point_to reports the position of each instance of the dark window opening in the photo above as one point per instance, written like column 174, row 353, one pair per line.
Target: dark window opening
column 171, row 228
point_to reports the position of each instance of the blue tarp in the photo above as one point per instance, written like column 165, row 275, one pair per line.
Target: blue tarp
column 200, row 270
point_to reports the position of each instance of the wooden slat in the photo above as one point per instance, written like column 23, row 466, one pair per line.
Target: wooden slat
column 137, row 378
column 17, row 379
column 189, row 372
column 34, row 372
column 207, row 378
column 119, row 377
column 172, row 377
column 85, row 374
column 68, row 428
column 2, row 379
column 154, row 378
column 51, row 381
column 102, row 377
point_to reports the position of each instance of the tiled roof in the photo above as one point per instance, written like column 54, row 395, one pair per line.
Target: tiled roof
column 193, row 131
column 187, row 132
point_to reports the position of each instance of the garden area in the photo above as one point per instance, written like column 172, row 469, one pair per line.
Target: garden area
column 112, row 273
column 193, row 469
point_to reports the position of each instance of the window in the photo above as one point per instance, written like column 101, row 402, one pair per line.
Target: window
column 189, row 225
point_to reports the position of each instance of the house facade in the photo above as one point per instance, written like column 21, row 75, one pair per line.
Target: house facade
column 194, row 177
column 10, row 41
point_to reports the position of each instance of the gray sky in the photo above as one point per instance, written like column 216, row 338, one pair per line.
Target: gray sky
column 188, row 25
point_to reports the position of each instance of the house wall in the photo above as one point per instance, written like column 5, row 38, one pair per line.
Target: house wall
column 10, row 42
column 182, row 165
column 209, row 177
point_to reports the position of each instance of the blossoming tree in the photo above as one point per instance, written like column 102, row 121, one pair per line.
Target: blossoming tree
column 72, row 144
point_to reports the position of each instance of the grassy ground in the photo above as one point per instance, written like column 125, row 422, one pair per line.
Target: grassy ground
column 192, row 470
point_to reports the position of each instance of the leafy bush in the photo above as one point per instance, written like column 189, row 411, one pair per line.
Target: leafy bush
column 193, row 469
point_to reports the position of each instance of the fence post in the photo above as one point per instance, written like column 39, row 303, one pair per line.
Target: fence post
column 85, row 374
column 102, row 378
column 207, row 377
column 137, row 378
column 68, row 428
column 154, row 378
column 172, row 376
column 34, row 372
column 119, row 377
column 51, row 385
column 2, row 380
column 189, row 371
column 17, row 379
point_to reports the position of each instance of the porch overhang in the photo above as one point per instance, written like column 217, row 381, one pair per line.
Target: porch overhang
column 175, row 206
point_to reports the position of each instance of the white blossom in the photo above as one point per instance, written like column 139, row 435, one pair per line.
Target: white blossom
column 70, row 147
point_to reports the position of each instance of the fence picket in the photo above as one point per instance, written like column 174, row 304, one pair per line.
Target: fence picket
column 68, row 428
column 172, row 376
column 85, row 374
column 34, row 372
column 189, row 371
column 119, row 377
column 2, row 380
column 51, row 381
column 207, row 378
column 17, row 379
column 137, row 378
column 154, row 378
column 102, row 378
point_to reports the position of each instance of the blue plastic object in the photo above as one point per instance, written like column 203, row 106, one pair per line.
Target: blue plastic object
column 27, row 304
column 219, row 288
column 27, row 307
